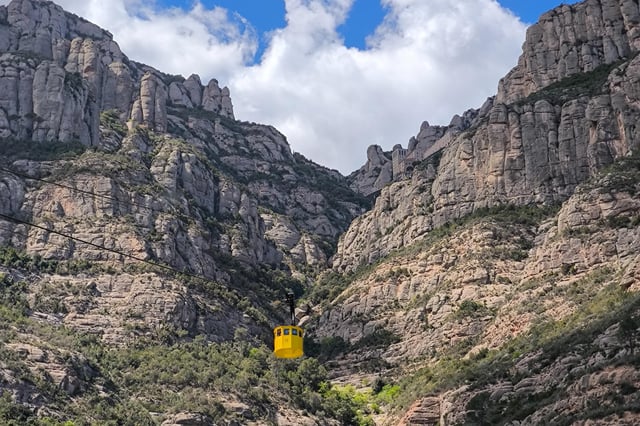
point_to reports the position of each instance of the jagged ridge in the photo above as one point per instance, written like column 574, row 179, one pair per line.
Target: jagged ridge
column 420, row 270
column 184, row 221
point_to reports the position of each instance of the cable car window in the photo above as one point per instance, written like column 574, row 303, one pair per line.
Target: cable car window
column 294, row 332
column 279, row 332
column 286, row 331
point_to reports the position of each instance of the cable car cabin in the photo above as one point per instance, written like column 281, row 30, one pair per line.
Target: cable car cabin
column 287, row 341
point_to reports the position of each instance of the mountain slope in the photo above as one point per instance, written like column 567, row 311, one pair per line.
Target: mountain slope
column 504, row 241
column 147, row 239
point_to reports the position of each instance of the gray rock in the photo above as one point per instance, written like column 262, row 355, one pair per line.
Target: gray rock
column 194, row 88
column 217, row 100
column 375, row 174
column 188, row 419
column 179, row 95
column 571, row 39
column 151, row 108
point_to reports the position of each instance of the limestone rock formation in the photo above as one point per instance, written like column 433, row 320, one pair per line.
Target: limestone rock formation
column 423, row 412
column 12, row 193
column 58, row 72
column 187, row 419
column 401, row 215
column 434, row 273
column 536, row 150
column 379, row 171
column 75, row 85
column 149, row 216
column 151, row 107
column 193, row 87
column 217, row 100
column 375, row 174
column 572, row 39
column 495, row 279
column 491, row 280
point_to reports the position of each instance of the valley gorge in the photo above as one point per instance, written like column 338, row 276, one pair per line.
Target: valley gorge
column 489, row 273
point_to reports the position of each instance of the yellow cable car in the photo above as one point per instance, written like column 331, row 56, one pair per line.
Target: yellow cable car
column 287, row 339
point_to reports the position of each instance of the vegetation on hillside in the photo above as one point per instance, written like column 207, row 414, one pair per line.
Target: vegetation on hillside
column 173, row 370
column 551, row 340
column 595, row 297
column 151, row 376
column 583, row 84
column 13, row 149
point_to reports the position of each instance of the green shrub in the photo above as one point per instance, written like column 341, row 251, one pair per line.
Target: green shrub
column 346, row 405
column 12, row 414
column 328, row 347
column 472, row 309
column 40, row 151
column 73, row 81
column 551, row 338
column 13, row 295
column 589, row 83
column 110, row 119
column 388, row 393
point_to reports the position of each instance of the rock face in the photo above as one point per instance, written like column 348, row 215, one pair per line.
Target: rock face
column 148, row 212
column 535, row 150
column 440, row 269
column 217, row 100
column 495, row 278
column 383, row 168
column 143, row 216
column 151, row 107
column 587, row 37
column 58, row 72
column 423, row 412
column 500, row 279
column 163, row 200
column 572, row 39
column 568, row 395
column 375, row 174
column 64, row 79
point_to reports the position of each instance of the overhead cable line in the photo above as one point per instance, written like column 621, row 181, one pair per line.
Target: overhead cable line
column 108, row 197
column 197, row 276
column 91, row 193
column 98, row 246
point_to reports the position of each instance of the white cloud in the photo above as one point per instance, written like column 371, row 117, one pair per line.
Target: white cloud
column 428, row 60
column 211, row 42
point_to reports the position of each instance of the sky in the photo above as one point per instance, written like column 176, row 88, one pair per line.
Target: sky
column 334, row 76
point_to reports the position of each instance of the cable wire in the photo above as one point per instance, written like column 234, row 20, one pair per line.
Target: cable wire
column 98, row 246
column 108, row 197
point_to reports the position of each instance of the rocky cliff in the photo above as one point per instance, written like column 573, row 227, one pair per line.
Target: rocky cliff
column 572, row 39
column 147, row 237
column 59, row 71
column 454, row 313
column 568, row 40
column 65, row 80
column 135, row 208
column 383, row 168
column 505, row 247
column 529, row 146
